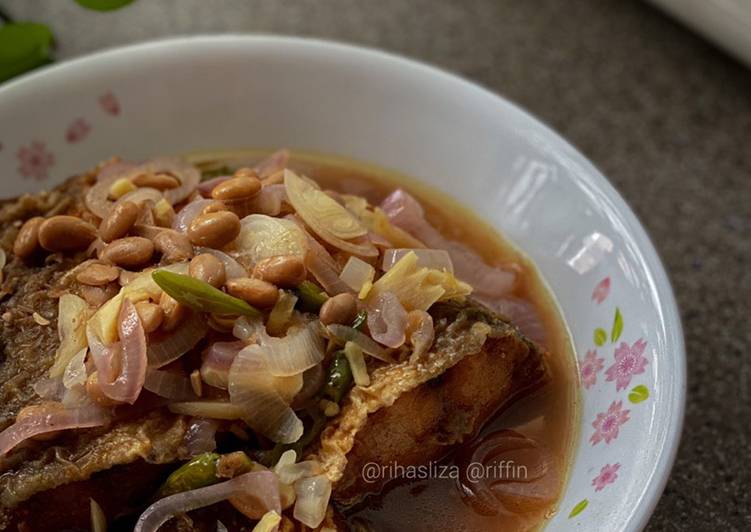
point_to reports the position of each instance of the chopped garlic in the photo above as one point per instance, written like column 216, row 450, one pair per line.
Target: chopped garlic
column 288, row 457
column 269, row 522
column 163, row 212
column 356, row 360
column 121, row 187
column 365, row 290
column 330, row 408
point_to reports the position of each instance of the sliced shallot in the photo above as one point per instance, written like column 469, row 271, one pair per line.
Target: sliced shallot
column 276, row 162
column 96, row 199
column 300, row 350
column 51, row 417
column 357, row 273
column 201, row 436
column 327, row 218
column 387, row 320
column 264, row 398
column 168, row 348
column 264, row 485
column 216, row 362
column 169, row 384
column 126, row 387
column 313, row 495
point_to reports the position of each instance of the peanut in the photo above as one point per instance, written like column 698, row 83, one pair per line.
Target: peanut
column 341, row 308
column 257, row 292
column 129, row 252
column 98, row 274
column 286, row 271
column 174, row 246
column 27, row 240
column 237, row 188
column 214, row 206
column 119, row 221
column 208, row 268
column 157, row 181
column 66, row 233
column 214, row 230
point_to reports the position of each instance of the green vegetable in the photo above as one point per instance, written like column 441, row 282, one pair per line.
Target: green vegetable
column 311, row 296
column 338, row 378
column 198, row 473
column 201, row 296
column 360, row 319
column 24, row 46
column 216, row 172
column 103, row 5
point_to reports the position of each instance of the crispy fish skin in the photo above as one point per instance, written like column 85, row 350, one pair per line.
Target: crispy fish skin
column 30, row 290
column 416, row 412
column 27, row 347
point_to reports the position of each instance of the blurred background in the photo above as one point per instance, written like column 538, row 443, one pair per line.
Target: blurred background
column 664, row 113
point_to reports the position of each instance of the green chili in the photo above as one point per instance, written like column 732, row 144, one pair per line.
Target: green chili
column 198, row 473
column 338, row 378
column 311, row 296
column 200, row 295
column 359, row 321
column 216, row 172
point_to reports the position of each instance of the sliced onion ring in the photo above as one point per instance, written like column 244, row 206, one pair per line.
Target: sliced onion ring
column 168, row 348
column 127, row 386
column 262, row 484
column 169, row 384
column 387, row 320
column 96, row 199
column 327, row 218
column 51, row 417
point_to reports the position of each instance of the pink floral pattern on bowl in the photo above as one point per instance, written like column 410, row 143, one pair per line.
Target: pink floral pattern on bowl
column 608, row 475
column 34, row 160
column 629, row 361
column 607, row 424
column 589, row 367
column 78, row 130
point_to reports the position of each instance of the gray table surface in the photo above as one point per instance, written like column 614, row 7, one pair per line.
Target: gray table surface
column 665, row 115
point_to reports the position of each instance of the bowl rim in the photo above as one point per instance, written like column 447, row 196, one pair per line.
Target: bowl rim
column 647, row 254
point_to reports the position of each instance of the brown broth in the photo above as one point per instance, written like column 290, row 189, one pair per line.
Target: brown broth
column 548, row 415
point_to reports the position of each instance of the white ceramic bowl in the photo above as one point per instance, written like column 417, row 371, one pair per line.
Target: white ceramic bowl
column 241, row 91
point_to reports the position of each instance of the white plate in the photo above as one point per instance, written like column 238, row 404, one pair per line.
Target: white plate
column 240, row 91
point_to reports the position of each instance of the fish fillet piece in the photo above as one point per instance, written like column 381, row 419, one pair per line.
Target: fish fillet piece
column 416, row 411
